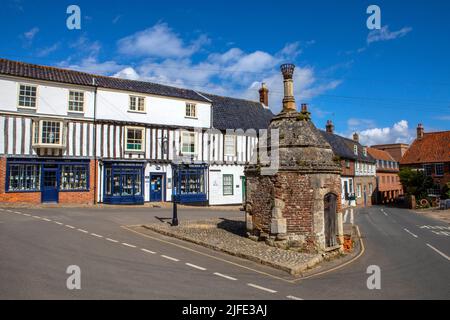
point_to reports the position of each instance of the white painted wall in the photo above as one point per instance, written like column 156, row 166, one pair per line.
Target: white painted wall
column 52, row 98
column 114, row 105
column 216, row 173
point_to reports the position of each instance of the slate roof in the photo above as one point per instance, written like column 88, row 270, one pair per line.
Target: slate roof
column 433, row 147
column 32, row 71
column 343, row 147
column 233, row 113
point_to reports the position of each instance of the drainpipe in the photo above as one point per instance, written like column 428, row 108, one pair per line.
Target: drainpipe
column 94, row 83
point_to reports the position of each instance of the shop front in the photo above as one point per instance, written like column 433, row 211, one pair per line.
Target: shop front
column 49, row 177
column 189, row 181
column 123, row 183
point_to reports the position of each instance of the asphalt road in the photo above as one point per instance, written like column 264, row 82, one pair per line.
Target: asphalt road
column 37, row 246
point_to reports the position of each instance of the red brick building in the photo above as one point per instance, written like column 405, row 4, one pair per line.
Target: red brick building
column 388, row 182
column 430, row 152
column 396, row 150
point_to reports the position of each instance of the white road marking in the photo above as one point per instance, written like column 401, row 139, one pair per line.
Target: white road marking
column 69, row 226
column 384, row 213
column 17, row 212
column 415, row 236
column 261, row 288
column 345, row 216
column 26, row 214
column 37, row 217
column 82, row 230
column 148, row 251
column 128, row 245
column 195, row 266
column 46, row 219
column 352, row 218
column 112, row 240
column 170, row 258
column 96, row 235
column 441, row 253
column 224, row 276
column 293, row 298
column 60, row 223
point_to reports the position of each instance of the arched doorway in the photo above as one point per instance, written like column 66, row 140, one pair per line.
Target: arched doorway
column 330, row 219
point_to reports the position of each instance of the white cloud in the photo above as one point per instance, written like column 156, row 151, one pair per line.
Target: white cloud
column 398, row 133
column 127, row 73
column 47, row 50
column 384, row 34
column 158, row 41
column 357, row 123
column 92, row 65
column 29, row 35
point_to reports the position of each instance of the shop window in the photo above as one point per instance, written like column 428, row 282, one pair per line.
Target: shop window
column 24, row 177
column 74, row 177
column 227, row 184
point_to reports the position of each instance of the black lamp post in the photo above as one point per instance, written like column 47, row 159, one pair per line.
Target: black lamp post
column 174, row 196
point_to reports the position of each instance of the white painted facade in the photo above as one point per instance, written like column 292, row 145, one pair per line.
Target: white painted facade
column 163, row 123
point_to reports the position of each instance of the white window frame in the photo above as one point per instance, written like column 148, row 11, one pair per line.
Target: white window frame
column 184, row 134
column 142, row 140
column 83, row 101
column 138, row 98
column 231, row 193
column 38, row 125
column 36, row 98
column 355, row 149
column 230, row 139
column 190, row 106
column 365, row 151
column 359, row 190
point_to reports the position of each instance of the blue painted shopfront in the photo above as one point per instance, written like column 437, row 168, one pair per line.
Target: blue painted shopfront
column 123, row 183
column 47, row 175
column 190, row 183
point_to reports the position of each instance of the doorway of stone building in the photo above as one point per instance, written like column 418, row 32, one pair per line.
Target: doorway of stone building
column 330, row 219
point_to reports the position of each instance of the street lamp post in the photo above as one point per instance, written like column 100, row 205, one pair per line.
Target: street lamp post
column 174, row 195
column 174, row 212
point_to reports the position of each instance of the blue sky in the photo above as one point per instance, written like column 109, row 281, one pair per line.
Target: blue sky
column 380, row 83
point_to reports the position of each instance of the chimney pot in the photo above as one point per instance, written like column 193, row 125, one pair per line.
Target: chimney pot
column 330, row 126
column 356, row 137
column 288, row 100
column 264, row 95
column 420, row 131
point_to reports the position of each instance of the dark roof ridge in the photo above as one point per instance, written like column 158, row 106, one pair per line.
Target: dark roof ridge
column 228, row 97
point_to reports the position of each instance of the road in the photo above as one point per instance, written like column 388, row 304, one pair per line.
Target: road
column 37, row 245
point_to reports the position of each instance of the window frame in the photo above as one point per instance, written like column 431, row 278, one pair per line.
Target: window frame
column 359, row 190
column 232, row 184
column 430, row 167
column 8, row 177
column 188, row 133
column 234, row 140
column 36, row 97
column 87, row 177
column 84, row 101
column 355, row 150
column 132, row 96
column 192, row 106
column 142, row 150
column 38, row 125
column 441, row 165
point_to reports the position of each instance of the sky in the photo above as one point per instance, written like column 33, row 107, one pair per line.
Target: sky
column 380, row 83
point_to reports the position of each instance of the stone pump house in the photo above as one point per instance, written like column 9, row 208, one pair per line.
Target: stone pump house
column 296, row 205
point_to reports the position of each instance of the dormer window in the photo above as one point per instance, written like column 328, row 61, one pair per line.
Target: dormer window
column 137, row 104
column 191, row 110
column 355, row 149
column 27, row 96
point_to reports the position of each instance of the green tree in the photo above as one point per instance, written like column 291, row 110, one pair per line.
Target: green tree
column 415, row 182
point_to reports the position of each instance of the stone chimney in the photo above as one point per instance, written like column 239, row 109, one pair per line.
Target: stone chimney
column 420, row 131
column 288, row 100
column 264, row 95
column 356, row 137
column 330, row 126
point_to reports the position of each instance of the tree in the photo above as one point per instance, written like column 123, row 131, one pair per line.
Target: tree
column 415, row 182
